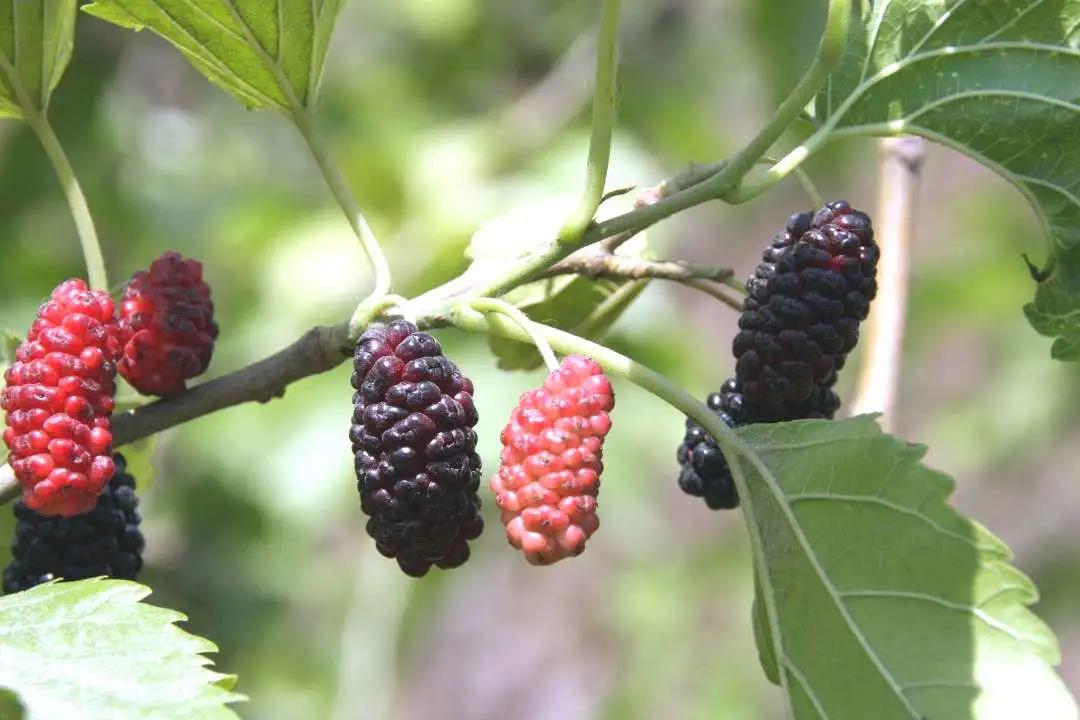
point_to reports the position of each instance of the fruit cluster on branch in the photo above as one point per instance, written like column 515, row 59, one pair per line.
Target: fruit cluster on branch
column 799, row 321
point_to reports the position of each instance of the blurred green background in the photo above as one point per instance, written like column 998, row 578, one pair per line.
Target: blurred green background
column 445, row 114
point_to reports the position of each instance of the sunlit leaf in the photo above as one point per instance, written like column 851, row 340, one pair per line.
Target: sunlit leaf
column 268, row 53
column 36, row 40
column 879, row 599
column 998, row 80
column 91, row 650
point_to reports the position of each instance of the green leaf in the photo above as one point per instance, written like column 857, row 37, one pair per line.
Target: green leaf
column 91, row 650
column 881, row 601
column 998, row 80
column 36, row 40
column 267, row 53
column 763, row 635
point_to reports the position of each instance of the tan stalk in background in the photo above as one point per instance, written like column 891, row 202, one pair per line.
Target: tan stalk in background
column 900, row 162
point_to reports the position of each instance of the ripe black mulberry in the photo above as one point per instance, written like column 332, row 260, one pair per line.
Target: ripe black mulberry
column 415, row 448
column 105, row 541
column 799, row 321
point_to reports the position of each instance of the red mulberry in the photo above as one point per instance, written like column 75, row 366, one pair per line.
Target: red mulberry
column 799, row 321
column 549, row 477
column 415, row 449
column 105, row 541
column 167, row 324
column 58, row 399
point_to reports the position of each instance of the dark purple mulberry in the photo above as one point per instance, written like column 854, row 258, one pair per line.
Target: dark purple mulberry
column 104, row 541
column 412, row 436
column 799, row 321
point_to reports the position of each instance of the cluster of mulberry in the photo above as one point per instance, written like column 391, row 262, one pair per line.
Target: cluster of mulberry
column 799, row 321
column 103, row 541
column 549, row 477
column 167, row 326
column 77, row 515
column 60, row 391
column 412, row 431
column 415, row 448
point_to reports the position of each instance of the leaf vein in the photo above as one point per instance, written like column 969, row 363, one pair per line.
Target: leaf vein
column 941, row 21
column 823, row 497
column 823, row 577
column 203, row 53
column 804, row 683
column 981, row 614
column 1012, row 23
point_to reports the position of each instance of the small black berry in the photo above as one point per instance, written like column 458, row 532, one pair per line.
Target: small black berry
column 103, row 541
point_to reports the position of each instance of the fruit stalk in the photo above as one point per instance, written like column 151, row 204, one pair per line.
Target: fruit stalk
column 603, row 121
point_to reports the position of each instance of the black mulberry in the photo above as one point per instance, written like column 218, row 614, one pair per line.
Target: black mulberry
column 799, row 321
column 415, row 448
column 103, row 541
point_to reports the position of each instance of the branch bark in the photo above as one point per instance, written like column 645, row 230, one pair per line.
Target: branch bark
column 321, row 349
column 900, row 162
column 318, row 350
column 602, row 264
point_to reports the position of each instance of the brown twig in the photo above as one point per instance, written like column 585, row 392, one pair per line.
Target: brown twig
column 318, row 350
column 323, row 348
column 711, row 288
column 602, row 264
column 900, row 163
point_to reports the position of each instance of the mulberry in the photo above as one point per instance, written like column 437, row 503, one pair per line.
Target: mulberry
column 799, row 321
column 167, row 326
column 58, row 400
column 704, row 471
column 549, row 476
column 104, row 541
column 415, row 448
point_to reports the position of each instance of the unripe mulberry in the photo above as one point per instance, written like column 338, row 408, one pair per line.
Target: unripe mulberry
column 58, row 400
column 551, row 462
column 415, row 448
column 104, row 541
column 167, row 325
column 799, row 321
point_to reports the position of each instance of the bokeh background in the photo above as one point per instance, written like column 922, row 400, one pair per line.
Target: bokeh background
column 444, row 114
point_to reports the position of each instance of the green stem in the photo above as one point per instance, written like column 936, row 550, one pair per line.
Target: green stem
column 697, row 185
column 809, row 187
column 807, row 183
column 341, row 192
column 829, row 53
column 345, row 198
column 374, row 306
column 471, row 320
column 603, row 120
column 80, row 211
column 785, row 166
column 733, row 447
column 493, row 305
column 301, row 117
column 723, row 180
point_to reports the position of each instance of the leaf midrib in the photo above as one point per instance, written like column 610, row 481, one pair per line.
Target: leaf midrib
column 209, row 57
column 272, row 62
column 797, row 530
column 906, row 62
